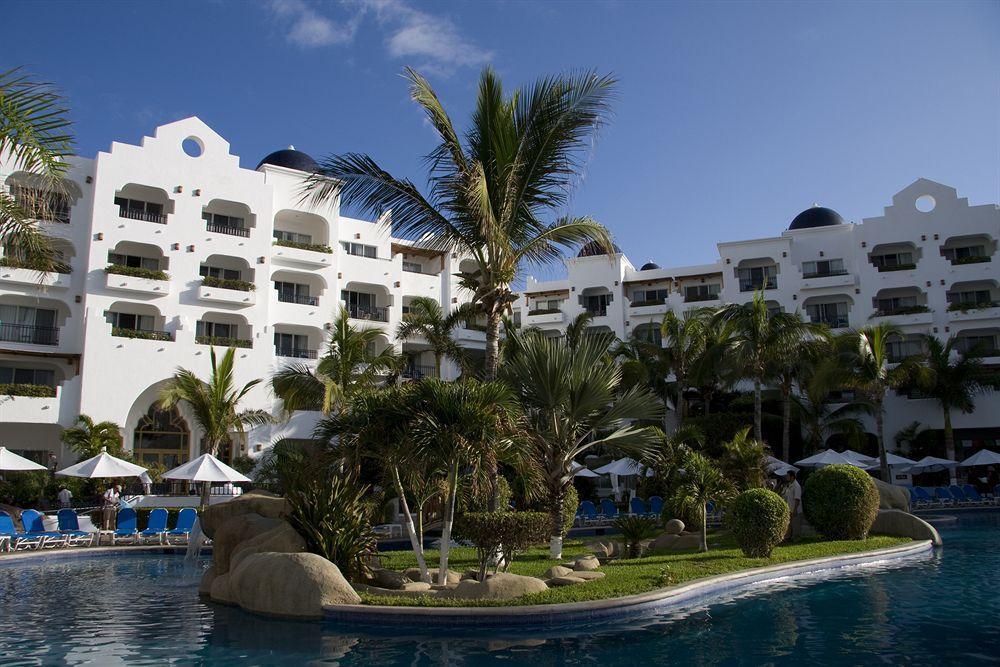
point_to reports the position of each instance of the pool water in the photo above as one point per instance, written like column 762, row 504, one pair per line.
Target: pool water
column 143, row 609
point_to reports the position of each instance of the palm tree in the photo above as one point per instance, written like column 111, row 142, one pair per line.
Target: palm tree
column 644, row 362
column 488, row 193
column 88, row 438
column 814, row 404
column 574, row 401
column 215, row 404
column 744, row 461
column 703, row 482
column 788, row 365
column 953, row 379
column 756, row 337
column 462, row 425
column 426, row 320
column 683, row 342
column 35, row 133
column 349, row 365
column 867, row 360
column 712, row 369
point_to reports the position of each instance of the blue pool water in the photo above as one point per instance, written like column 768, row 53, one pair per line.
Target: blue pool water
column 143, row 609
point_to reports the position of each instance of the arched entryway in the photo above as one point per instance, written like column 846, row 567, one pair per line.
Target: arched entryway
column 162, row 437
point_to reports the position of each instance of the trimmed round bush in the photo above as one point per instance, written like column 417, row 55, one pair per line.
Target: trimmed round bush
column 841, row 502
column 759, row 521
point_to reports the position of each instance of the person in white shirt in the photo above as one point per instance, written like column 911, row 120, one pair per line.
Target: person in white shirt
column 109, row 505
column 793, row 496
column 65, row 497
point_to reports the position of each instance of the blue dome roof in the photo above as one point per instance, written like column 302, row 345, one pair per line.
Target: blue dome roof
column 291, row 159
column 649, row 266
column 817, row 216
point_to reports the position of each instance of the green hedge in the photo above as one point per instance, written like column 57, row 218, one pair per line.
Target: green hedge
column 223, row 283
column 140, row 334
column 509, row 532
column 136, row 272
column 33, row 390
column 841, row 502
column 967, row 306
column 971, row 259
column 35, row 265
column 758, row 519
column 544, row 311
column 222, row 341
column 314, row 247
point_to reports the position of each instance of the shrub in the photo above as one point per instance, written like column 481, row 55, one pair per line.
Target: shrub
column 315, row 247
column 136, row 272
column 570, row 503
column 841, row 502
column 33, row 390
column 34, row 264
column 634, row 530
column 140, row 334
column 476, row 498
column 503, row 532
column 758, row 519
column 225, row 283
column 223, row 341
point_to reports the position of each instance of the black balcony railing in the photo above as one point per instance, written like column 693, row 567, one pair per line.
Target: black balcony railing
column 139, row 214
column 600, row 311
column 691, row 298
column 832, row 322
column 824, row 274
column 294, row 352
column 753, row 284
column 232, row 230
column 29, row 333
column 374, row 313
column 419, row 372
column 298, row 298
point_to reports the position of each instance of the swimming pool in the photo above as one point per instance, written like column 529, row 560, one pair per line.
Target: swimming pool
column 143, row 609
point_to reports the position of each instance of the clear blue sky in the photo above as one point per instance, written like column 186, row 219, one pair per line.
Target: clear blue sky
column 730, row 119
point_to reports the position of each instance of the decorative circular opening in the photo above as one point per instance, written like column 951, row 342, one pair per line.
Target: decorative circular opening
column 925, row 203
column 193, row 147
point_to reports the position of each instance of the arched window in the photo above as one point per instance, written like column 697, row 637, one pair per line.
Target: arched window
column 162, row 437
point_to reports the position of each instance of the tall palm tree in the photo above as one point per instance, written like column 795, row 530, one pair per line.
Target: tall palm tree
column 953, row 379
column 712, row 370
column 643, row 362
column 743, row 461
column 866, row 354
column 35, row 133
column 756, row 337
column 574, row 401
column 462, row 425
column 349, row 365
column 490, row 190
column 87, row 438
column 788, row 365
column 815, row 408
column 683, row 341
column 215, row 403
column 427, row 320
column 703, row 482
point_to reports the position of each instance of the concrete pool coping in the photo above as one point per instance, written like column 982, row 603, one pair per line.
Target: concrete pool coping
column 61, row 553
column 663, row 599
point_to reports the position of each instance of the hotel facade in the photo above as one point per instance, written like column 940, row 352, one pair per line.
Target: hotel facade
column 170, row 247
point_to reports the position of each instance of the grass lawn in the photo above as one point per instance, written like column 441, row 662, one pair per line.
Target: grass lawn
column 623, row 577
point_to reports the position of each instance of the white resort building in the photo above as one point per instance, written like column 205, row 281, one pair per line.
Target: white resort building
column 171, row 246
column 928, row 264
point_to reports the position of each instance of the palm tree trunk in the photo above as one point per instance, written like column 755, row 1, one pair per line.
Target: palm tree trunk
column 681, row 405
column 704, row 527
column 418, row 547
column 949, row 443
column 556, row 515
column 449, row 518
column 492, row 345
column 880, row 432
column 757, row 432
column 437, row 364
column 786, row 422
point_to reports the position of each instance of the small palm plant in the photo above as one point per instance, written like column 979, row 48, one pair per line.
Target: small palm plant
column 634, row 530
column 703, row 482
column 744, row 461
column 427, row 320
column 87, row 438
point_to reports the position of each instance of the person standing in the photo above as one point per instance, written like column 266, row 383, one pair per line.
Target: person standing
column 793, row 497
column 65, row 497
column 109, row 506
column 52, row 463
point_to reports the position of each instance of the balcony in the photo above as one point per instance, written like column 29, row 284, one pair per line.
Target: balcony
column 648, row 307
column 231, row 230
column 418, row 372
column 964, row 312
column 229, row 292
column 903, row 316
column 838, row 322
column 15, row 273
column 697, row 298
column 142, row 334
column 829, row 279
column 138, row 283
column 544, row 316
column 295, row 352
column 370, row 313
column 302, row 254
column 30, row 404
column 752, row 285
column 29, row 334
column 137, row 214
column 298, row 298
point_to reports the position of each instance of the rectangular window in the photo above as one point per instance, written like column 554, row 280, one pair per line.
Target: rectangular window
column 833, row 315
column 757, row 277
column 361, row 249
column 969, row 296
column 36, row 376
column 135, row 261
column 219, row 220
column 892, row 260
column 129, row 321
column 820, row 268
column 293, row 237
column 659, row 295
column 291, row 345
column 597, row 304
column 215, row 329
column 896, row 302
column 702, row 292
column 359, row 299
column 215, row 272
column 412, row 267
column 147, row 207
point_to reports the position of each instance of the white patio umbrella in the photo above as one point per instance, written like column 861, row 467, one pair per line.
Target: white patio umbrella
column 583, row 471
column 932, row 464
column 622, row 468
column 860, row 460
column 778, row 467
column 102, row 465
column 827, row 457
column 894, row 460
column 9, row 461
column 984, row 457
column 205, row 468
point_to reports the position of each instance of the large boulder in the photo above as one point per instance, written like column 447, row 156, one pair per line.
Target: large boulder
column 587, row 576
column 558, row 571
column 668, row 544
column 205, row 587
column 233, row 532
column 586, row 563
column 391, row 579
column 413, row 574
column 294, row 585
column 674, row 527
column 556, row 582
column 280, row 539
column 892, row 497
column 502, row 586
column 903, row 524
column 254, row 502
column 219, row 589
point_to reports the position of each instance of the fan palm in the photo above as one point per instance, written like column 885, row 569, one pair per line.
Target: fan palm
column 87, row 438
column 787, row 368
column 574, row 401
column 35, row 134
column 757, row 337
column 954, row 379
column 866, row 354
column 489, row 192
column 349, row 365
column 683, row 342
column 703, row 482
column 426, row 320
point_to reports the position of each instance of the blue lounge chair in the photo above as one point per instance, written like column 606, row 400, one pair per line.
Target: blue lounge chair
column 920, row 498
column 69, row 525
column 185, row 522
column 34, row 524
column 944, row 496
column 156, row 527
column 956, row 492
column 608, row 510
column 973, row 496
column 126, row 531
column 589, row 513
column 15, row 539
column 655, row 505
column 637, row 506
